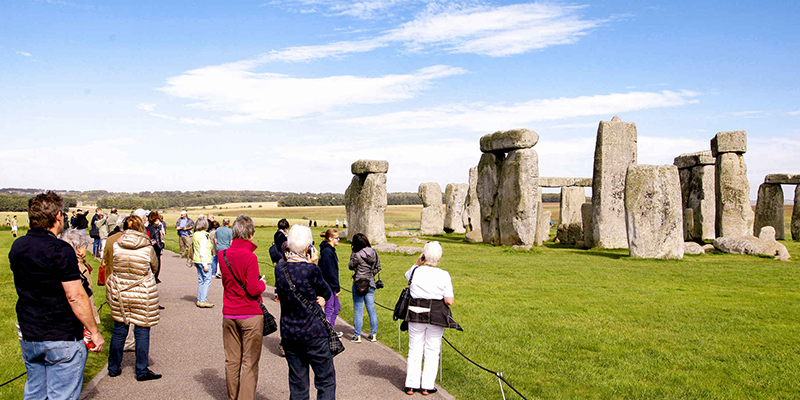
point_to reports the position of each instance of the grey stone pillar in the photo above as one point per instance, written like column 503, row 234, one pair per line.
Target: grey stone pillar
column 615, row 151
column 431, row 220
column 570, row 227
column 455, row 196
column 769, row 210
column 471, row 216
column 586, row 214
column 488, row 183
column 653, row 212
column 734, row 212
column 365, row 200
column 796, row 214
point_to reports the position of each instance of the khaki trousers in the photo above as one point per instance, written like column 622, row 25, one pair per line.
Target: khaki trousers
column 186, row 247
column 241, row 339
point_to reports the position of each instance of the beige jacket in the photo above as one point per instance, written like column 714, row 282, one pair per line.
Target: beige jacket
column 131, row 289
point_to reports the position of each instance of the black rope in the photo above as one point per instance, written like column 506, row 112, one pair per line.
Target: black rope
column 497, row 374
column 20, row 376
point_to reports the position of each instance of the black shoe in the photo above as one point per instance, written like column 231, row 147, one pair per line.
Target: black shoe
column 160, row 307
column 113, row 375
column 148, row 376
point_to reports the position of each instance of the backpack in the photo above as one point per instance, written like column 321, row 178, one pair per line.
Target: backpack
column 274, row 254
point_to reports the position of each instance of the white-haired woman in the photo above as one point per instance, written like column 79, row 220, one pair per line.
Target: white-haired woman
column 79, row 241
column 304, row 336
column 428, row 315
column 201, row 245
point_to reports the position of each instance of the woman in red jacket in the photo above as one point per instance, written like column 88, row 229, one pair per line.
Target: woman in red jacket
column 242, row 322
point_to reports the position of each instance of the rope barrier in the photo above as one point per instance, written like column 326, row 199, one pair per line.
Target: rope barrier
column 19, row 376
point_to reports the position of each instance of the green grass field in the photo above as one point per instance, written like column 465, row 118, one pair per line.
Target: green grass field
column 565, row 323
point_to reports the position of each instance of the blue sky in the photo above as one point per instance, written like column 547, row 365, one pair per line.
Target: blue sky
column 283, row 95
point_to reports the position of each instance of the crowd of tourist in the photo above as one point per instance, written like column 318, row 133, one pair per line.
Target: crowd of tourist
column 56, row 309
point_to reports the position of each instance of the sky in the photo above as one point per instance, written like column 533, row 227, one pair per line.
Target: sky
column 283, row 95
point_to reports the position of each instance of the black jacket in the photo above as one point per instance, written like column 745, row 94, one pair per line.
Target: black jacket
column 80, row 220
column 329, row 264
column 439, row 314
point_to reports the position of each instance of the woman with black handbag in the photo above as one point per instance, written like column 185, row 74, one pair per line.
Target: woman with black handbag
column 243, row 319
column 305, row 333
column 365, row 264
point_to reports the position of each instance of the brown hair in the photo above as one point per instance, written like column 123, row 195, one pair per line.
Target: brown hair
column 328, row 234
column 135, row 223
column 43, row 209
column 152, row 217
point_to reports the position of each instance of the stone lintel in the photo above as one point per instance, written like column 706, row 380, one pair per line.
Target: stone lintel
column 362, row 167
column 780, row 179
column 690, row 160
column 504, row 141
column 551, row 182
column 729, row 142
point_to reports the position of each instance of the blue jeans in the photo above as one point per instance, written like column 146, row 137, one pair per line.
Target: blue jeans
column 142, row 336
column 96, row 247
column 213, row 265
column 55, row 369
column 317, row 353
column 203, row 283
column 358, row 311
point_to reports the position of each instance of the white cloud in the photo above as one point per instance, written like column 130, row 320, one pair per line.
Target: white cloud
column 308, row 53
column 246, row 96
column 146, row 107
column 793, row 113
column 480, row 117
column 357, row 9
column 748, row 114
column 24, row 53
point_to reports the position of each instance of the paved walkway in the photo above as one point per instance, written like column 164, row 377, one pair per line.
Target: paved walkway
column 186, row 347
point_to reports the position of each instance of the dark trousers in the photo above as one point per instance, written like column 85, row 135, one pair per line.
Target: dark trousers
column 316, row 353
column 142, row 336
column 158, row 254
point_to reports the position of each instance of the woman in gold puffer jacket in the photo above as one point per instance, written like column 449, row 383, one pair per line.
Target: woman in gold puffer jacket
column 132, row 297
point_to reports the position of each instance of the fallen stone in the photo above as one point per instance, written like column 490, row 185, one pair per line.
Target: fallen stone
column 415, row 240
column 783, row 179
column 562, row 182
column 769, row 209
column 521, row 247
column 385, row 247
column 586, row 216
column 362, row 167
column 365, row 205
column 615, row 151
column 471, row 217
column 408, row 250
column 432, row 216
column 455, row 197
column 402, row 234
column 729, row 142
column 653, row 212
column 488, row 183
column 708, row 247
column 504, row 141
column 517, row 197
column 690, row 160
column 753, row 246
column 734, row 212
column 692, row 248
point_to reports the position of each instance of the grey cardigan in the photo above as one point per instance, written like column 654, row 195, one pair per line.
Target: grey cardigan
column 365, row 264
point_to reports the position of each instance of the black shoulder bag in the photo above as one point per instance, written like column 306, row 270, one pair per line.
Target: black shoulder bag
column 270, row 325
column 401, row 307
column 333, row 340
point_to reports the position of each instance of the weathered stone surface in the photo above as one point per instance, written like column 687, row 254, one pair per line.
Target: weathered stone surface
column 729, row 142
column 471, row 216
column 690, row 160
column 569, row 233
column 572, row 198
column 703, row 202
column 543, row 227
column 692, row 248
column 688, row 223
column 653, row 212
column 415, row 240
column 752, row 245
column 408, row 250
column 561, row 182
column 432, row 217
column 580, row 244
column 455, row 196
column 362, row 167
column 708, row 247
column 796, row 215
column 767, row 233
column 365, row 204
column 517, row 197
column 686, row 180
column 783, row 179
column 769, row 209
column 504, row 141
column 385, row 247
column 488, row 183
column 586, row 216
column 734, row 213
column 401, row 234
column 615, row 151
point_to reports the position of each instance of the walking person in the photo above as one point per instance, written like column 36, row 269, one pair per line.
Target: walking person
column 132, row 297
column 242, row 320
column 102, row 231
column 428, row 315
column 201, row 249
column 212, row 230
column 94, row 233
column 14, row 228
column 365, row 264
column 184, row 225
column 52, row 305
column 223, row 236
column 304, row 336
column 329, row 264
column 155, row 234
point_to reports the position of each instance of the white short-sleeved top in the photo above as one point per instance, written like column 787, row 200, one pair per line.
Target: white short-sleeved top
column 430, row 283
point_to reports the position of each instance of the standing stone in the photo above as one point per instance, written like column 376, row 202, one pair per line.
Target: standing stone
column 685, row 175
column 734, row 213
column 615, row 151
column 488, row 183
column 365, row 201
column 472, row 210
column 519, row 183
column 431, row 220
column 543, row 225
column 703, row 200
column 769, row 209
column 455, row 196
column 572, row 199
column 653, row 212
column 796, row 215
column 688, row 223
column 586, row 216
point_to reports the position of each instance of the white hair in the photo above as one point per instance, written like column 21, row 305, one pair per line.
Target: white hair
column 76, row 238
column 299, row 238
column 433, row 253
